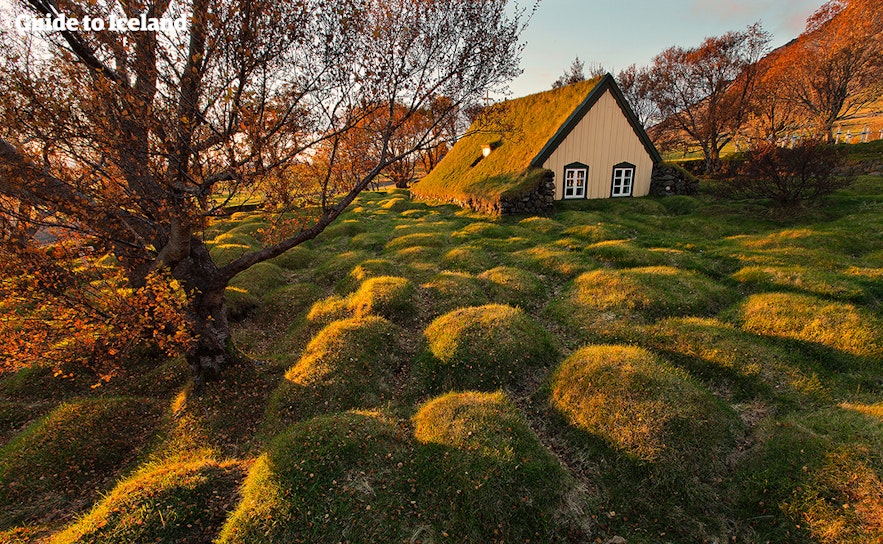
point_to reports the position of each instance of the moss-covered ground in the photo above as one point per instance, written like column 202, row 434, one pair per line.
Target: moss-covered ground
column 688, row 369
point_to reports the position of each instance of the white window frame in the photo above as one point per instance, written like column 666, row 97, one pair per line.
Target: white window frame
column 576, row 179
column 623, row 180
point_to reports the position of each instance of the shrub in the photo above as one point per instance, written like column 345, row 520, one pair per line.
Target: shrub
column 641, row 405
column 790, row 177
column 483, row 348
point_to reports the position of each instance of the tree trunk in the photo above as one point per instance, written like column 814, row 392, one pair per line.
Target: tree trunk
column 208, row 315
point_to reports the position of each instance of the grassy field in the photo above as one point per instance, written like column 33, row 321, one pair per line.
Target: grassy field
column 686, row 369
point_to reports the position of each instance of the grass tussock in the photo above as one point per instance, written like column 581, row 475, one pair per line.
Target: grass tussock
column 467, row 259
column 639, row 404
column 835, row 325
column 385, row 296
column 483, row 348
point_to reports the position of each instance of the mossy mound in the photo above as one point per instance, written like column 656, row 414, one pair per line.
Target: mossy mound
column 480, row 229
column 452, row 290
column 721, row 354
column 371, row 268
column 623, row 253
column 467, row 259
column 835, row 325
column 362, row 477
column 551, row 260
column 651, row 292
column 236, row 238
column 514, row 287
column 290, row 300
column 335, row 478
column 260, row 279
column 348, row 364
column 296, row 258
column 641, row 405
column 69, row 456
column 542, row 225
column 483, row 348
column 173, row 502
column 386, row 296
column 338, row 266
column 501, row 483
column 420, row 239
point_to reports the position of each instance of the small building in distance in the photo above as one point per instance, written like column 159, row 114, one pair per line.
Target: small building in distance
column 575, row 142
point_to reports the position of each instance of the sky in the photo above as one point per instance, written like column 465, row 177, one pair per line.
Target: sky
column 617, row 33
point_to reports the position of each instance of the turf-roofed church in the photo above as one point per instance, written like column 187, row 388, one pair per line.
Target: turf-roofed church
column 584, row 138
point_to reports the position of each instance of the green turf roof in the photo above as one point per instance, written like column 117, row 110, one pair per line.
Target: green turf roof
column 518, row 131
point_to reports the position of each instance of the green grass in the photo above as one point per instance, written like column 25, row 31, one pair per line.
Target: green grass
column 348, row 364
column 721, row 383
column 366, row 477
column 483, row 348
column 184, row 501
column 70, row 455
column 641, row 405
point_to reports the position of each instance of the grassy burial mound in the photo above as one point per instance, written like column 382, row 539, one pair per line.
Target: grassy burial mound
column 501, row 484
column 470, row 471
column 641, row 405
column 610, row 301
column 483, row 348
column 386, row 296
column 178, row 501
column 516, row 132
column 56, row 465
column 348, row 364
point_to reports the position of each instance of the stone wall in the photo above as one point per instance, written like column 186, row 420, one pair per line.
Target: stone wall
column 538, row 201
column 668, row 179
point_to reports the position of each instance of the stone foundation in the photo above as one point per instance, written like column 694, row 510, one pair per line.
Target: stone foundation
column 671, row 180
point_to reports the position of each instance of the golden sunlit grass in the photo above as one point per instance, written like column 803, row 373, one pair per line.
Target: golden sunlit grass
column 812, row 280
column 640, row 404
column 467, row 259
column 60, row 462
column 385, row 296
column 425, row 239
column 451, row 290
column 176, row 501
column 722, row 354
column 483, row 348
column 602, row 297
column 836, row 325
column 548, row 259
column 348, row 364
column 543, row 225
column 513, row 286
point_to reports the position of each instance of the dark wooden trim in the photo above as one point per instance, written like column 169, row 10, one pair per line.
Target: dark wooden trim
column 607, row 82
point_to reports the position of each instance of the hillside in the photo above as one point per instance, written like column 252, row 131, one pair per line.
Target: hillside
column 682, row 369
